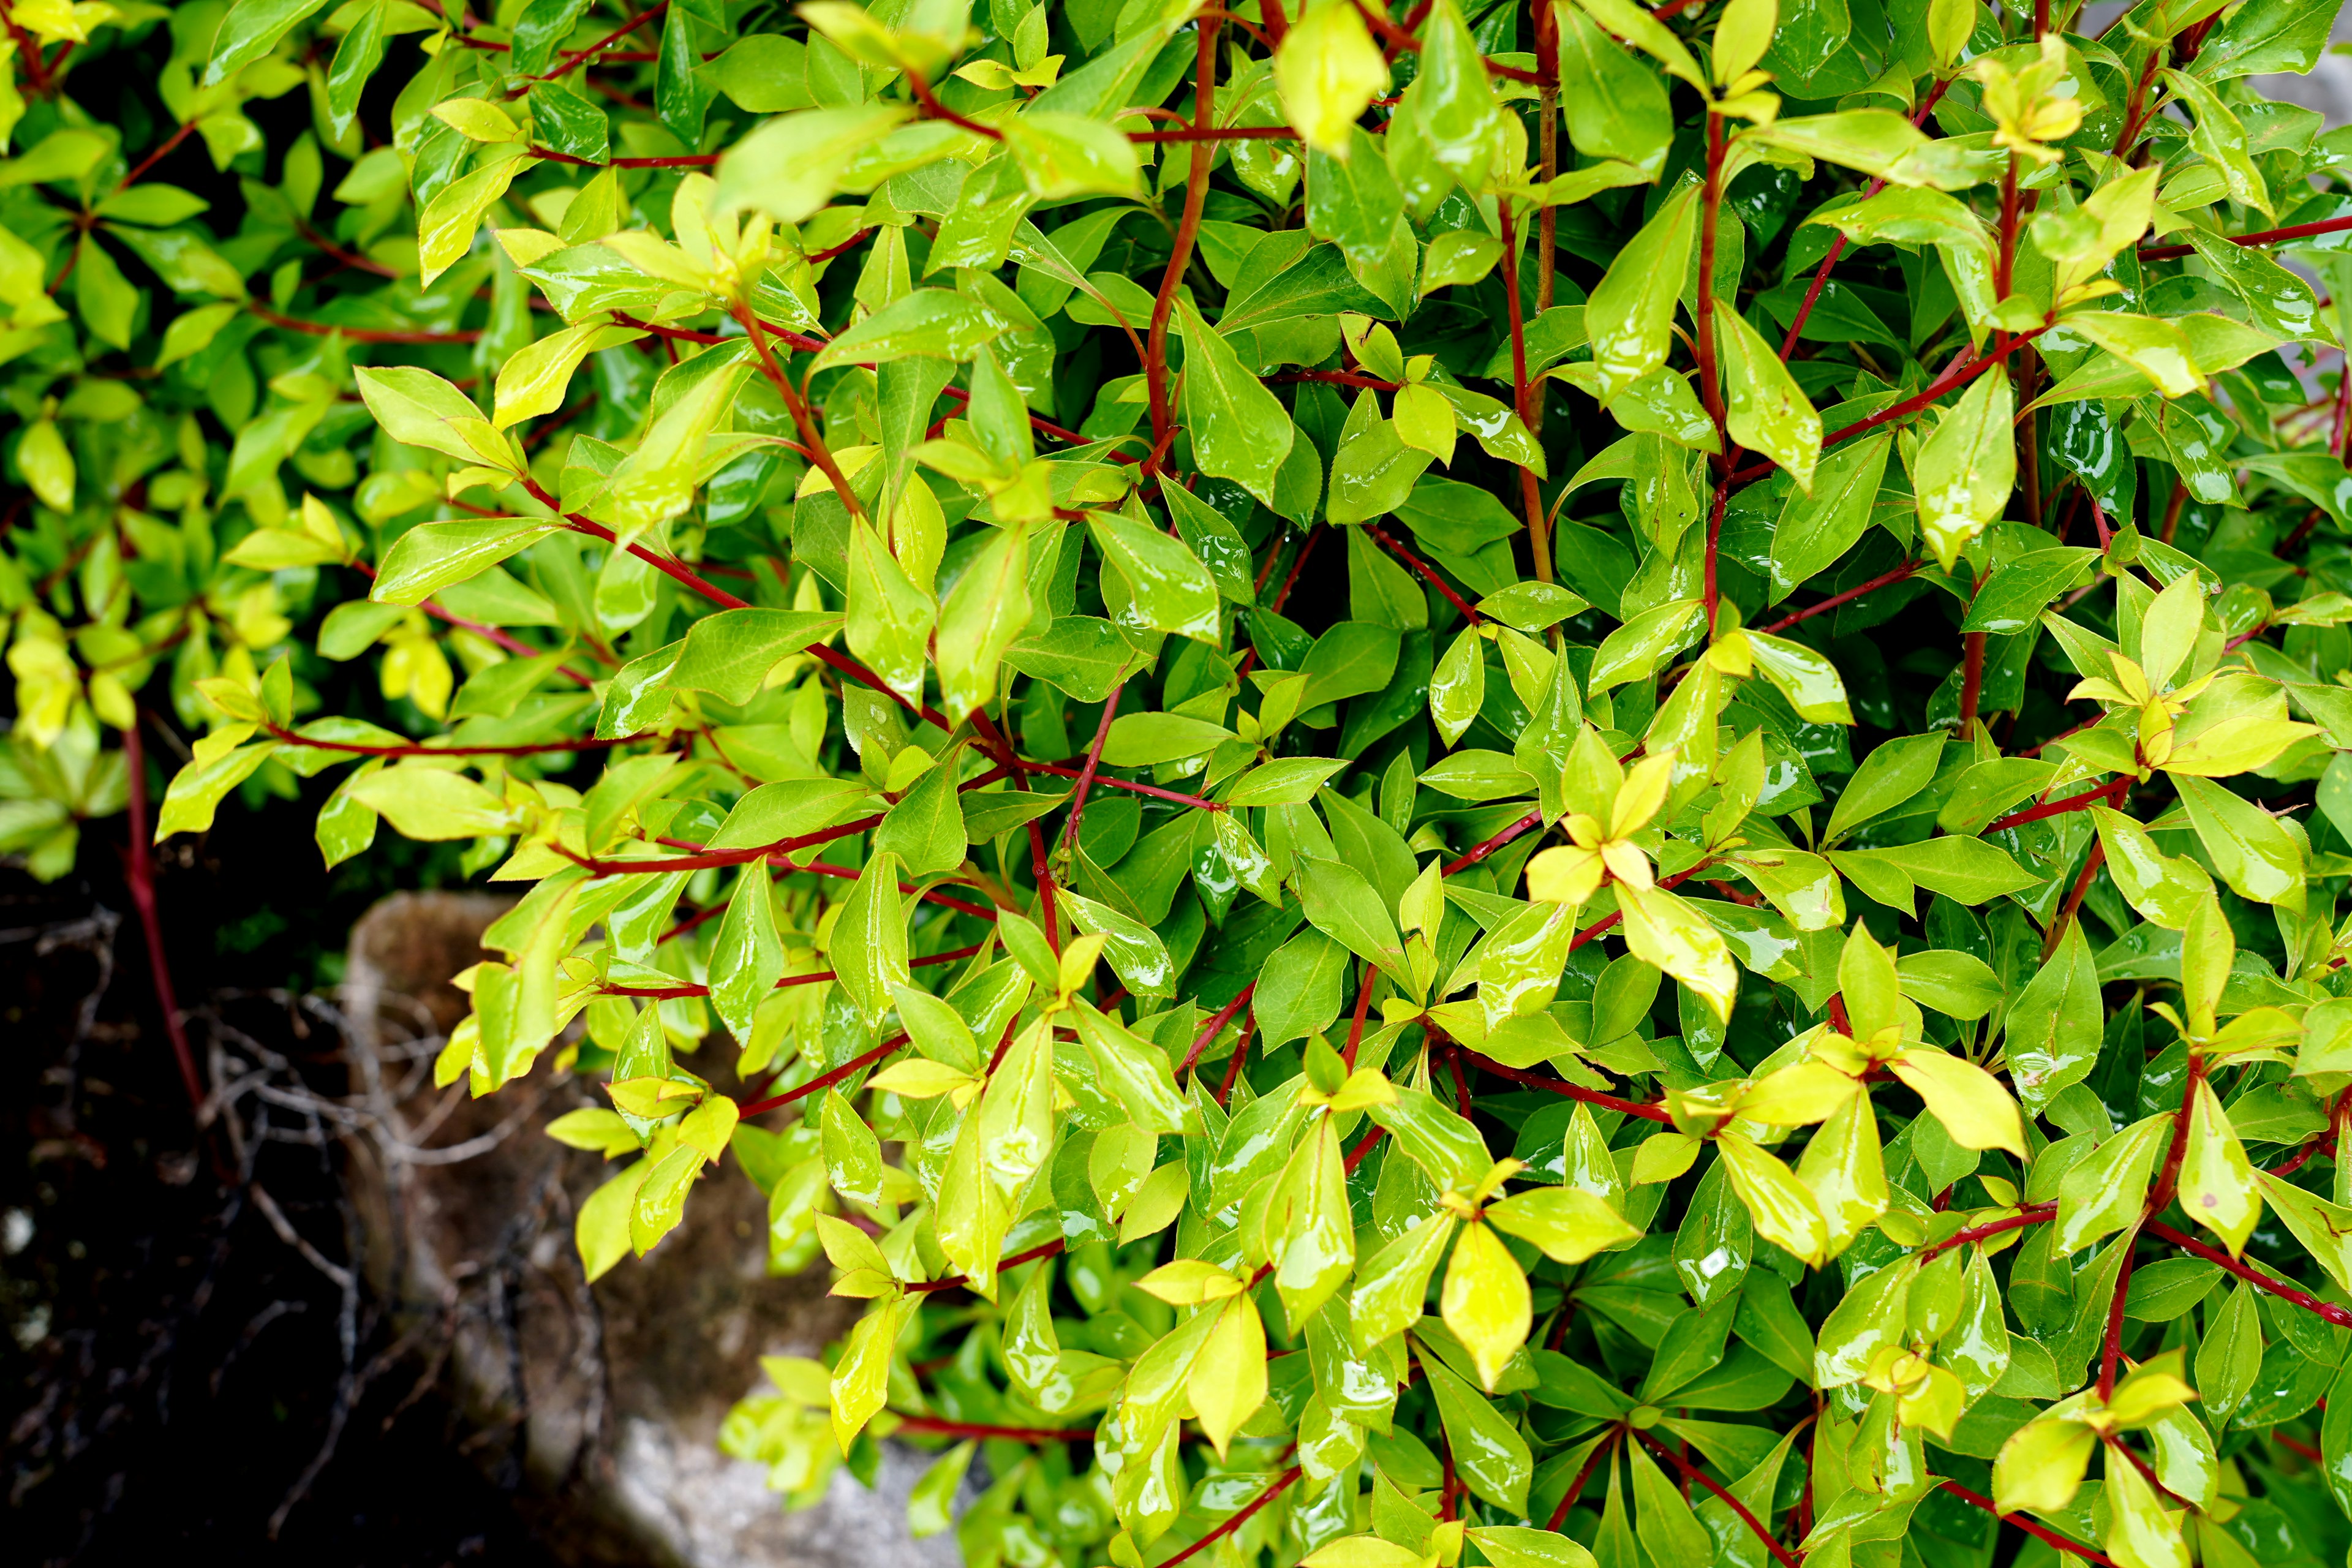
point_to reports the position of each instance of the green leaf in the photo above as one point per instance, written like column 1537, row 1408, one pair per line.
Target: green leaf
column 869, row 940
column 1240, row 430
column 1489, row 1454
column 250, row 30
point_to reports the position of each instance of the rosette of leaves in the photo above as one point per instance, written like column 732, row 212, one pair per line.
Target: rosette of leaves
column 1550, row 784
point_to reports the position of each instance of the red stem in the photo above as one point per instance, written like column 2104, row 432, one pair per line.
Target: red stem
column 2041, row 1532
column 1690, row 1472
column 565, row 65
column 1242, row 1516
column 1835, row 600
column 2263, row 236
column 2060, row 808
column 1573, row 1091
column 141, row 871
column 1531, row 493
column 931, row 1425
column 358, row 334
column 824, row 1082
column 689, row 160
column 2033, row 1214
column 1478, row 852
column 151, row 159
column 1180, row 254
column 1093, row 761
column 1049, row 1249
column 2195, row 1248
column 2111, row 1353
column 1224, row 1016
column 1592, row 1463
column 1422, row 567
column 1963, row 370
column 1972, row 658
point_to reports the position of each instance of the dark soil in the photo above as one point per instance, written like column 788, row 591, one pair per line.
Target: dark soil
column 177, row 1378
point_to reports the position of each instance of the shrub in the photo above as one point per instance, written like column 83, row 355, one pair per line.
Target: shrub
column 1741, row 867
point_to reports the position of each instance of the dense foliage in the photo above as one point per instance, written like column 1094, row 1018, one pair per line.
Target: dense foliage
column 1706, row 981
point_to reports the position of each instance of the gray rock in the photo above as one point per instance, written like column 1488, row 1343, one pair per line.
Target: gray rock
column 602, row 1404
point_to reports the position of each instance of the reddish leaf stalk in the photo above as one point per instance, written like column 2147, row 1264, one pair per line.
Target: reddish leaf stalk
column 1964, row 368
column 1093, row 761
column 2284, row 1292
column 1837, row 245
column 2111, row 1351
column 1972, row 659
column 1363, row 1011
column 2090, row 864
column 2262, row 236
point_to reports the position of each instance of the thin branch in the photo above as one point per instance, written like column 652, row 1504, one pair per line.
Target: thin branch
column 1690, row 1472
column 2089, row 798
column 2040, row 1531
column 1884, row 579
column 140, row 874
column 931, row 1425
column 2033, row 1213
column 1050, row 1249
column 2284, row 1292
column 824, row 1082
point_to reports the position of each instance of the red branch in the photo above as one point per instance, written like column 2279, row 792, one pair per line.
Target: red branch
column 1050, row 1249
column 1964, row 368
column 1573, row 1091
column 2035, row 1214
column 2264, row 236
column 1601, row 1451
column 1479, row 851
column 1883, row 580
column 2041, row 1532
column 1690, row 1472
column 2089, row 798
column 2195, row 1248
column 358, row 334
column 1242, row 1516
column 824, row 1082
column 141, row 876
column 1224, row 1015
column 1418, row 564
column 932, row 1426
